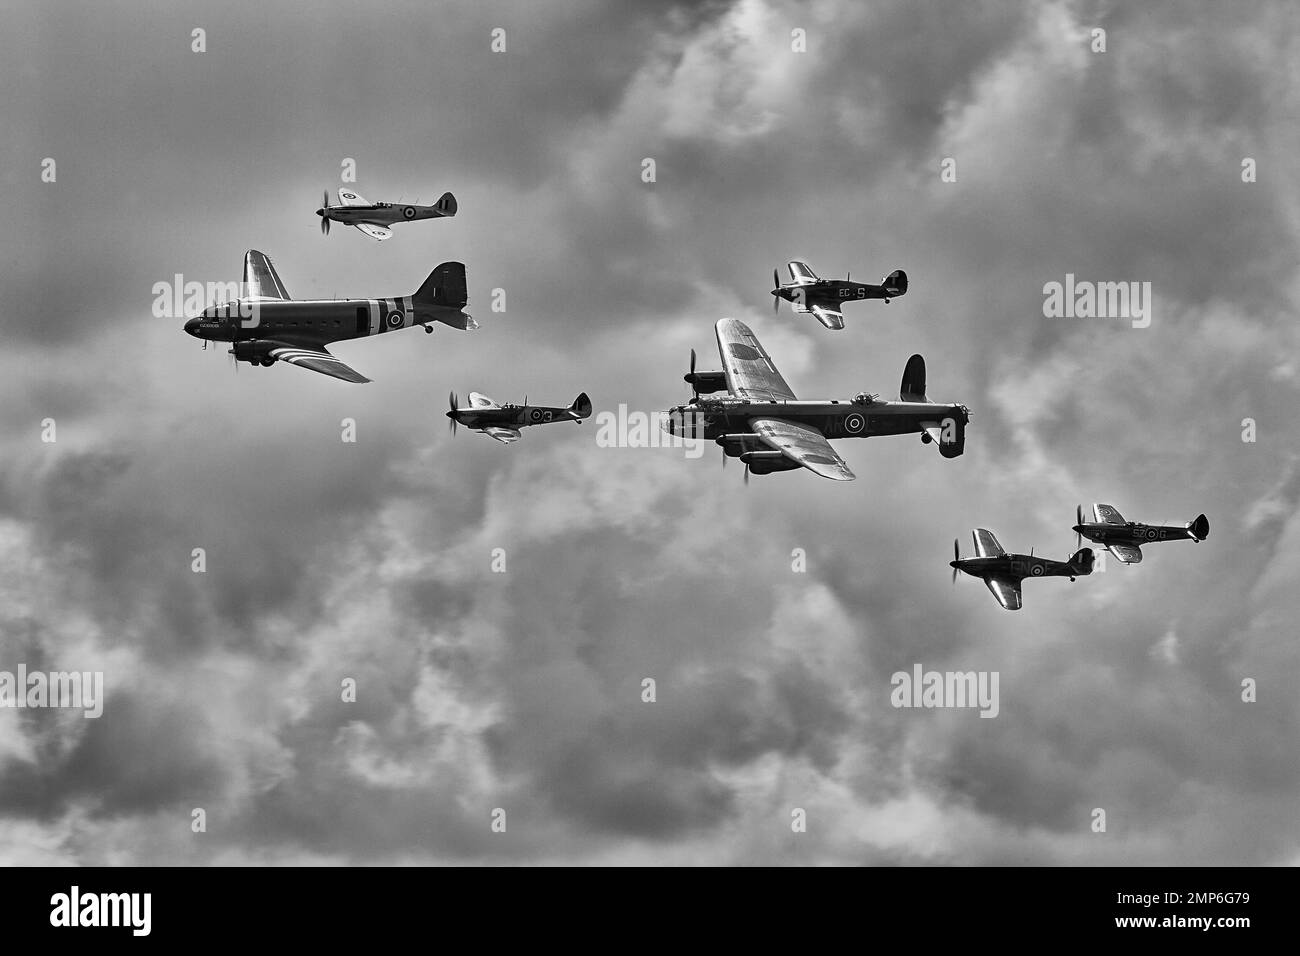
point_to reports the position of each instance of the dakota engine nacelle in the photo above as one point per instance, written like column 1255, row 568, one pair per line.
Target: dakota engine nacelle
column 258, row 353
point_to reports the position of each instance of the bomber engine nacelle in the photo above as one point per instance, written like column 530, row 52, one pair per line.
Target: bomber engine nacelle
column 706, row 382
column 766, row 462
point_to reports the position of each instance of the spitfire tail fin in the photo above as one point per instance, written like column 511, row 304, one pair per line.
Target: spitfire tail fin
column 1082, row 561
column 446, row 205
column 443, row 296
column 1199, row 528
column 895, row 283
column 581, row 406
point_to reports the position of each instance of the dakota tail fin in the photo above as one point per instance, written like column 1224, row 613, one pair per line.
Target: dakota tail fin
column 443, row 296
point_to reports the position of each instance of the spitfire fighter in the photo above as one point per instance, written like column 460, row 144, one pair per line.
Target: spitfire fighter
column 1123, row 538
column 824, row 298
column 762, row 423
column 1003, row 572
column 503, row 422
column 376, row 218
column 266, row 326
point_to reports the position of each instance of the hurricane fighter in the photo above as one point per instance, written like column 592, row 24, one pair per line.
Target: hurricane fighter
column 824, row 298
column 1003, row 572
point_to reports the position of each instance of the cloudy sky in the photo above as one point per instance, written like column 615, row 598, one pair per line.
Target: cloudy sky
column 522, row 690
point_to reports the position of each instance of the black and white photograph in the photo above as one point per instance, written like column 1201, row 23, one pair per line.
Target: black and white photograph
column 728, row 434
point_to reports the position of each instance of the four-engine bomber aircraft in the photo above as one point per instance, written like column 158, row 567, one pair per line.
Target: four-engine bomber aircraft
column 503, row 422
column 765, row 426
column 265, row 325
column 825, row 298
column 1122, row 538
column 375, row 218
column 1003, row 572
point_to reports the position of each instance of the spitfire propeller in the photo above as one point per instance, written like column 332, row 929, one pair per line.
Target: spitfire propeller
column 324, row 219
column 695, row 387
column 956, row 556
column 776, row 291
column 1078, row 523
column 452, row 420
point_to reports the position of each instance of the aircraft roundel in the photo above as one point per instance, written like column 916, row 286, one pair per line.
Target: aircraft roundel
column 853, row 423
column 536, row 414
column 409, row 212
column 1151, row 533
column 394, row 319
column 349, row 195
column 1036, row 570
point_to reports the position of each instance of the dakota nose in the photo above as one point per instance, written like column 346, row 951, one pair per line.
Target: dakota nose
column 192, row 326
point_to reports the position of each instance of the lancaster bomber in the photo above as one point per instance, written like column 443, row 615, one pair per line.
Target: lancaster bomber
column 265, row 326
column 1123, row 538
column 765, row 426
column 503, row 422
column 824, row 298
column 1003, row 572
column 376, row 218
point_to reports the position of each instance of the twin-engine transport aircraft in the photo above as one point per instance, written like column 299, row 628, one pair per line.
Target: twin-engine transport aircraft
column 266, row 326
column 503, row 422
column 1003, row 572
column 1122, row 538
column 825, row 298
column 375, row 218
column 765, row 426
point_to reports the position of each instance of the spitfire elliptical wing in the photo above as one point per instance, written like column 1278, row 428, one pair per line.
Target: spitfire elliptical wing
column 986, row 544
column 802, row 444
column 751, row 373
column 501, row 433
column 373, row 231
column 318, row 360
column 349, row 197
column 1107, row 514
column 1006, row 590
column 1126, row 553
column 260, row 278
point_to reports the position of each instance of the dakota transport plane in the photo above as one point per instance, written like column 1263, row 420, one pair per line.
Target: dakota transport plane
column 265, row 326
column 765, row 426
